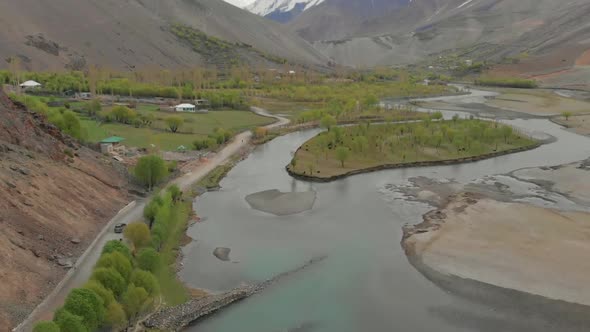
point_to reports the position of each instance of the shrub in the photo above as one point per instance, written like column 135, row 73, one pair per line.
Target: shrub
column 68, row 152
column 46, row 327
column 260, row 132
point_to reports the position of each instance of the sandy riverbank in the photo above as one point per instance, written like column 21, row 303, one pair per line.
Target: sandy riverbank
column 511, row 245
column 488, row 232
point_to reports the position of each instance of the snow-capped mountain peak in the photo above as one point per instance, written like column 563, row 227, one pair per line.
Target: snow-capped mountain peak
column 270, row 7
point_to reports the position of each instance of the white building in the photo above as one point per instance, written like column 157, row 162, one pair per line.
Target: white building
column 185, row 108
column 30, row 85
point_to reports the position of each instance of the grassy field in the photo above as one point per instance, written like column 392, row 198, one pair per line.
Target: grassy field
column 196, row 126
column 368, row 146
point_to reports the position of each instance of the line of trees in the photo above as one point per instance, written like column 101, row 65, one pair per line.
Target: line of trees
column 123, row 284
column 507, row 82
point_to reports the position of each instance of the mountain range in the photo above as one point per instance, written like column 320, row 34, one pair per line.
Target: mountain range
column 537, row 37
column 281, row 10
column 132, row 33
column 532, row 37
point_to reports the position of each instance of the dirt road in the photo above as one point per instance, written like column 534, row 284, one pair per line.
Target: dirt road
column 84, row 266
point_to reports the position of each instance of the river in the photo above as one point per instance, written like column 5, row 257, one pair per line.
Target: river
column 366, row 282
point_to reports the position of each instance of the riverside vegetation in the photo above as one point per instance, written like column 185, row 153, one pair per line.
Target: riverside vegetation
column 131, row 277
column 348, row 96
column 340, row 150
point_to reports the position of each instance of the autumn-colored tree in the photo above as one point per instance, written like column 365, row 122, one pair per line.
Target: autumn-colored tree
column 135, row 300
column 138, row 233
column 115, row 316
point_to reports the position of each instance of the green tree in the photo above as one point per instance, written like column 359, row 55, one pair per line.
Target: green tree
column 110, row 279
column 150, row 211
column 146, row 280
column 138, row 233
column 566, row 115
column 86, row 304
column 148, row 259
column 174, row 123
column 342, row 154
column 135, row 300
column 147, row 119
column 47, row 326
column 105, row 294
column 116, row 246
column 117, row 261
column 115, row 316
column 123, row 114
column 436, row 115
column 68, row 322
column 175, row 192
column 71, row 125
column 93, row 108
column 150, row 170
column 506, row 132
column 327, row 122
column 362, row 143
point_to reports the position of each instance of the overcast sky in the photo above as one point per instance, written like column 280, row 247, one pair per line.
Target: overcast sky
column 240, row 3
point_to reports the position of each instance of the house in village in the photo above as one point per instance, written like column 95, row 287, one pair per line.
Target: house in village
column 185, row 108
column 83, row 95
column 109, row 144
column 29, row 85
column 202, row 103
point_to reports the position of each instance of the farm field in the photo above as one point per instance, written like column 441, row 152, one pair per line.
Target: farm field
column 195, row 126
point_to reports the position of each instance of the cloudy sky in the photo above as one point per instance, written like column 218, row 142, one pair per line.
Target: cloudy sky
column 240, row 3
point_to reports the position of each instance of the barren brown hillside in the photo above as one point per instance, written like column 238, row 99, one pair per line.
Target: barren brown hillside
column 135, row 33
column 48, row 203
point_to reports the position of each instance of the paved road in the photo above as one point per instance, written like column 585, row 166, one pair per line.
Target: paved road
column 84, row 267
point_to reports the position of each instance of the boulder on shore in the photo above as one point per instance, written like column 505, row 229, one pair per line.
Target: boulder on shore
column 222, row 253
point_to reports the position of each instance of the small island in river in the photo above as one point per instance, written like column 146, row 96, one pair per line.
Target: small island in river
column 345, row 151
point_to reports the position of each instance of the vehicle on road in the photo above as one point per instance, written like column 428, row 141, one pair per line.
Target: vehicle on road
column 120, row 227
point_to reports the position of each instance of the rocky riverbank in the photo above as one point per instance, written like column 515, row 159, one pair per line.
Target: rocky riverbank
column 178, row 317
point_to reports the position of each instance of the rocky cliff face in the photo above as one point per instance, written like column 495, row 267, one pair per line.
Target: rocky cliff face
column 55, row 196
